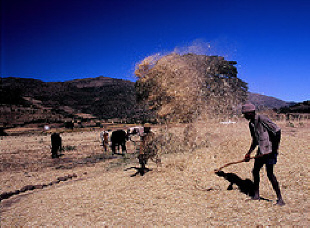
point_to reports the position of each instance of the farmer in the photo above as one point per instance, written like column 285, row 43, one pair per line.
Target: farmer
column 147, row 147
column 104, row 137
column 56, row 144
column 266, row 135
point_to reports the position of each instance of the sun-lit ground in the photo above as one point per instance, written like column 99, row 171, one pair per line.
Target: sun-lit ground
column 183, row 191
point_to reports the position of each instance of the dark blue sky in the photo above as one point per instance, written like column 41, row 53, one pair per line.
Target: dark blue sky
column 59, row 40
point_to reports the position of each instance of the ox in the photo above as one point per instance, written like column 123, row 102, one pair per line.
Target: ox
column 119, row 138
column 135, row 131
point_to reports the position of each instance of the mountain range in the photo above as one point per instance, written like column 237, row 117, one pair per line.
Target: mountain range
column 31, row 101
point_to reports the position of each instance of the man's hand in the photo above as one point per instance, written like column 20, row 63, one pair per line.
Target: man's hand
column 247, row 158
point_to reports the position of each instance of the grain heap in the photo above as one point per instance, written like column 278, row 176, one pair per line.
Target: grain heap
column 182, row 88
column 188, row 89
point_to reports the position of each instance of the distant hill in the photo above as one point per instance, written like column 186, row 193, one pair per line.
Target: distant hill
column 302, row 107
column 31, row 101
column 263, row 102
column 24, row 101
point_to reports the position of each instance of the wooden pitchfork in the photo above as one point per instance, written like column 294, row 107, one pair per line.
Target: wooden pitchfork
column 237, row 162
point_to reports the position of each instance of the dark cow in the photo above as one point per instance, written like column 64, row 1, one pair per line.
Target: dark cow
column 69, row 124
column 119, row 138
column 2, row 132
column 56, row 144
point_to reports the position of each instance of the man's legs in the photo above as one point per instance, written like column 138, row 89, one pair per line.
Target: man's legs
column 272, row 178
column 258, row 164
column 106, row 144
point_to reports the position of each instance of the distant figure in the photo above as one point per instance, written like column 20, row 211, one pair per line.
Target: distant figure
column 56, row 144
column 148, row 149
column 266, row 135
column 104, row 137
column 119, row 138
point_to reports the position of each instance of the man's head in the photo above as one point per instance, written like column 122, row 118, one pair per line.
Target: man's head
column 248, row 110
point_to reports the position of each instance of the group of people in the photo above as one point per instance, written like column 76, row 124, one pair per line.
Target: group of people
column 265, row 134
column 120, row 137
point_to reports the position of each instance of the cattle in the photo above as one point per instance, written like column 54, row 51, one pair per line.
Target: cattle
column 56, row 144
column 119, row 138
column 135, row 131
column 69, row 124
column 2, row 132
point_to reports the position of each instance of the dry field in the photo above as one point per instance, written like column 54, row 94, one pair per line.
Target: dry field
column 184, row 191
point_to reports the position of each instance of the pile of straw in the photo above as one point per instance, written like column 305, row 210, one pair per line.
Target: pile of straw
column 182, row 88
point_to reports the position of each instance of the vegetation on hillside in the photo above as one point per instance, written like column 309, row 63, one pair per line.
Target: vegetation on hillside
column 302, row 107
column 30, row 100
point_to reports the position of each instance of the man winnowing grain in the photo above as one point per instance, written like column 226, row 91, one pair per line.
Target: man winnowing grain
column 266, row 135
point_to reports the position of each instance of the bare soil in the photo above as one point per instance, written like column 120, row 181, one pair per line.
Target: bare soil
column 184, row 191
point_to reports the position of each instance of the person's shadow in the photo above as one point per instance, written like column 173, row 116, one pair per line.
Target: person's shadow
column 245, row 186
column 140, row 170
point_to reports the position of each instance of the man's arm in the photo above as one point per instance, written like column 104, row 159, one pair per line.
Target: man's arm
column 252, row 148
column 253, row 144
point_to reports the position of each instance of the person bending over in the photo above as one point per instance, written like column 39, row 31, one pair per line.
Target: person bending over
column 266, row 135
